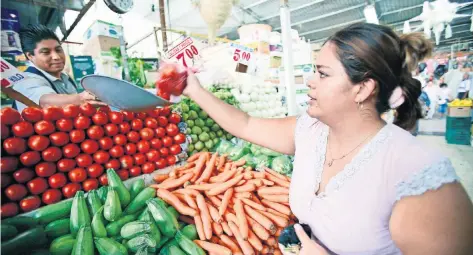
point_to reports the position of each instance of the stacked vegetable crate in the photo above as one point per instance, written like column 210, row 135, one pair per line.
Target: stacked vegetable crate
column 458, row 130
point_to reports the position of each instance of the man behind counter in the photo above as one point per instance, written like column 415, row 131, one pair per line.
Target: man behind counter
column 46, row 84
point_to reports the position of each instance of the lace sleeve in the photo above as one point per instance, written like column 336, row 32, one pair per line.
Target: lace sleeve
column 431, row 177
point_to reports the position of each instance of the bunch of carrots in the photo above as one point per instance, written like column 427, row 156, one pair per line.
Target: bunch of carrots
column 236, row 210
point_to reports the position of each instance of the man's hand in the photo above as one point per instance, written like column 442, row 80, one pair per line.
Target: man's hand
column 88, row 97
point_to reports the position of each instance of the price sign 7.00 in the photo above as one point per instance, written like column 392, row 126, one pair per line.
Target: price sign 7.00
column 184, row 53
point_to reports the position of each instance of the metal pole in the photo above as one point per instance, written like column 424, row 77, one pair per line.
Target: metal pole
column 288, row 63
column 126, row 68
column 162, row 19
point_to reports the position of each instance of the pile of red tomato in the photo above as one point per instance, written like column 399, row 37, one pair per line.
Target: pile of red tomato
column 49, row 154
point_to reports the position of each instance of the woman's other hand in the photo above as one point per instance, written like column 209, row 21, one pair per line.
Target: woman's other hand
column 309, row 246
column 193, row 83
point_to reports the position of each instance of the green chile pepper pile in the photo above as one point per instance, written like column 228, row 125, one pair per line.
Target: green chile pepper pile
column 110, row 220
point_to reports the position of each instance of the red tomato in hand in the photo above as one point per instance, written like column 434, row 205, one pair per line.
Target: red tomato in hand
column 89, row 146
column 70, row 150
column 9, row 209
column 90, row 184
column 172, row 129
column 64, row 125
column 52, row 154
column 125, row 128
column 32, row 114
column 171, row 160
column 143, row 146
column 148, row 167
column 52, row 113
column 59, row 138
column 66, row 164
column 151, row 123
column 164, row 152
column 167, row 141
column 103, row 180
column 114, row 164
column 14, row 145
column 5, row 132
column 111, row 129
column 137, row 124
column 101, row 157
column 175, row 149
column 82, row 122
column 126, row 162
column 116, row 151
column 23, row 175
column 70, row 189
column 30, row 158
column 38, row 142
column 146, row 134
column 161, row 163
column 160, row 132
column 87, row 110
column 152, row 155
column 105, row 143
column 130, row 149
column 77, row 136
column 95, row 132
column 179, row 138
column 37, row 186
column 30, row 203
column 156, row 143
column 8, row 164
column 70, row 111
column 45, row 169
column 77, row 175
column 22, row 129
column 84, row 160
column 115, row 117
column 95, row 170
column 133, row 137
column 135, row 171
column 100, row 118
column 141, row 115
column 120, row 139
column 128, row 116
column 140, row 159
column 16, row 192
column 123, row 174
column 57, row 180
column 174, row 118
column 165, row 111
column 162, row 121
column 51, row 196
column 9, row 116
column 44, row 127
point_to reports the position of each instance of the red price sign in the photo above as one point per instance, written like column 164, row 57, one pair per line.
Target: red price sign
column 10, row 74
column 242, row 54
column 184, row 53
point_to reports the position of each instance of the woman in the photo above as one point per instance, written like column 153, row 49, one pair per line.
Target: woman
column 363, row 186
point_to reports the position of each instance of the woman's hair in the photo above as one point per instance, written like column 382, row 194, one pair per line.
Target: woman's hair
column 369, row 51
column 32, row 35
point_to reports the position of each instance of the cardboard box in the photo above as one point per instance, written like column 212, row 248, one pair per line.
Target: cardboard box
column 97, row 46
column 459, row 111
column 102, row 28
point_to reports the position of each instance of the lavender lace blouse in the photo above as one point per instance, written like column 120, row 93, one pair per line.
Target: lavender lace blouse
column 352, row 215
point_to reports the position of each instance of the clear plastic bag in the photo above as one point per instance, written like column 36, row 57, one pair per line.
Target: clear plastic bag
column 224, row 147
column 282, row 164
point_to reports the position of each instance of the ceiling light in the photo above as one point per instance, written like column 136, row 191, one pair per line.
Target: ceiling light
column 370, row 14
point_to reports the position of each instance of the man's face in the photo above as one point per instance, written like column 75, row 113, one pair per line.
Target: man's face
column 48, row 56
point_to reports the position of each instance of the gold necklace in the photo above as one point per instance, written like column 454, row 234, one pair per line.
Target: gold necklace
column 330, row 163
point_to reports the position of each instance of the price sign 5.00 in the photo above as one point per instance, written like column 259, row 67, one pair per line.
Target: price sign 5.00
column 184, row 53
column 242, row 54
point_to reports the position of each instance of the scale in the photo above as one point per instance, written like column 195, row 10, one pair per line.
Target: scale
column 118, row 93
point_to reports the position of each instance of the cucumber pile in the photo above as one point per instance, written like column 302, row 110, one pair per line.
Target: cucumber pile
column 111, row 220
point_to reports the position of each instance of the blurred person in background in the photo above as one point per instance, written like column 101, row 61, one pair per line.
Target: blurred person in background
column 464, row 87
column 46, row 83
column 444, row 99
column 432, row 92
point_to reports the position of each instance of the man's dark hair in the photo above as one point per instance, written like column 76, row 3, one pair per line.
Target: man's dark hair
column 443, row 85
column 31, row 35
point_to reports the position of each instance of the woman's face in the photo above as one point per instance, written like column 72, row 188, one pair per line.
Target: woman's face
column 331, row 93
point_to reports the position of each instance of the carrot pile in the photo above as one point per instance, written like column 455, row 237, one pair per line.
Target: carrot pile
column 236, row 210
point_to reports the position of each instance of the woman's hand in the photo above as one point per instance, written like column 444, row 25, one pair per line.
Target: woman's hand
column 309, row 246
column 193, row 83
